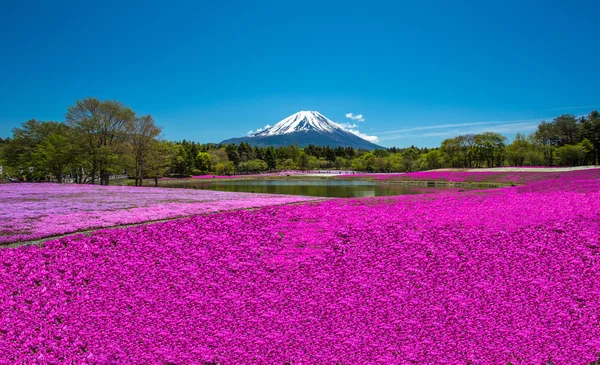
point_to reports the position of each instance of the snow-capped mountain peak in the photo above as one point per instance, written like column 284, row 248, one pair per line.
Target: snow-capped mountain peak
column 300, row 122
column 305, row 128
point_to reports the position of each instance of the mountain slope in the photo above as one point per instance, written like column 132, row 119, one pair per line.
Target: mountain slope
column 304, row 128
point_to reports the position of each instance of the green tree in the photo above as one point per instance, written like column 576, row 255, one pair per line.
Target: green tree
column 37, row 145
column 55, row 153
column 225, row 168
column 232, row 154
column 590, row 129
column 203, row 162
column 516, row 152
column 490, row 148
column 547, row 138
column 571, row 155
column 451, row 150
column 566, row 129
column 431, row 160
column 159, row 159
column 271, row 158
column 101, row 127
column 142, row 133
column 303, row 161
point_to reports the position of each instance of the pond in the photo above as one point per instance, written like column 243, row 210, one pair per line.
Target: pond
column 321, row 187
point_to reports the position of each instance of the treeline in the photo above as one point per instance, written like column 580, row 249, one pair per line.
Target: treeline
column 193, row 158
column 564, row 141
column 99, row 139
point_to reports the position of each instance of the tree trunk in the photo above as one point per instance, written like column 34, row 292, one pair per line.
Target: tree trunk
column 156, row 181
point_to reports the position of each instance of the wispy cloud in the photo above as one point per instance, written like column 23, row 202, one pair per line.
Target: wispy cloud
column 455, row 129
column 573, row 107
column 353, row 128
column 357, row 117
column 251, row 132
column 372, row 139
column 455, row 125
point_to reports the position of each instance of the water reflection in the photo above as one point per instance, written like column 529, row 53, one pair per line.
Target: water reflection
column 325, row 188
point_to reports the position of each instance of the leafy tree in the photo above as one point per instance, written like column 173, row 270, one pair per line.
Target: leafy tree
column 566, row 129
column 101, row 126
column 286, row 164
column 451, row 152
column 588, row 147
column 54, row 154
column 225, row 168
column 218, row 156
column 232, row 154
column 547, row 138
column 431, row 160
column 340, row 163
column 489, row 147
column 253, row 166
column 203, row 162
column 590, row 129
column 37, row 145
column 245, row 152
column 303, row 161
column 142, row 133
column 159, row 158
column 271, row 158
column 516, row 152
column 571, row 155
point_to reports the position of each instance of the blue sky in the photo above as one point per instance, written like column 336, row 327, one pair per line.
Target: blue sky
column 418, row 72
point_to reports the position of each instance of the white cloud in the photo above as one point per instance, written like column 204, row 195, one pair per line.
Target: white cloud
column 453, row 130
column 454, row 125
column 348, row 125
column 372, row 139
column 353, row 128
column 573, row 107
column 251, row 132
column 358, row 117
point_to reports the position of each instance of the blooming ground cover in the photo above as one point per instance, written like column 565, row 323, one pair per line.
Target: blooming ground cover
column 508, row 275
column 279, row 173
column 527, row 176
column 32, row 211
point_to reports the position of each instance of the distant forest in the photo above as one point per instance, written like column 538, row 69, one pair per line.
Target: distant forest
column 99, row 139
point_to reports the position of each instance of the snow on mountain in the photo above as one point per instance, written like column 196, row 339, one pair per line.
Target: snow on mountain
column 305, row 121
column 301, row 121
column 308, row 127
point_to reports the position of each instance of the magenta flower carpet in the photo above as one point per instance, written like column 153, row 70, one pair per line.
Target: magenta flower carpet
column 503, row 276
column 517, row 177
column 32, row 211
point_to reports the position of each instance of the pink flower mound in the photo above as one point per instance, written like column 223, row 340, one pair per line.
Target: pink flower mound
column 31, row 211
column 215, row 177
column 279, row 173
column 520, row 177
column 484, row 278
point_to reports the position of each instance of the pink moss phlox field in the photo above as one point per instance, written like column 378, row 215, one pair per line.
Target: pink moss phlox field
column 278, row 173
column 508, row 275
column 32, row 211
column 518, row 177
column 251, row 176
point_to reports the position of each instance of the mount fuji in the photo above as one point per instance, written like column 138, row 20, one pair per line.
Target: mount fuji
column 304, row 128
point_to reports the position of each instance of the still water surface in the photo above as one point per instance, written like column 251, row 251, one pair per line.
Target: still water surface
column 326, row 188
